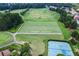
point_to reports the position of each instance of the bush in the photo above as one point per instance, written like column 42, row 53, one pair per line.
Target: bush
column 75, row 35
column 20, row 49
column 77, row 53
column 15, row 53
column 41, row 55
column 73, row 41
column 25, row 50
column 60, row 54
column 74, row 25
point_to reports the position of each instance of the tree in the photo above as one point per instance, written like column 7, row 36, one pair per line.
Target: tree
column 66, row 18
column 68, row 21
column 73, row 41
column 74, row 25
column 25, row 50
column 9, row 20
column 63, row 15
column 20, row 49
column 15, row 53
column 75, row 35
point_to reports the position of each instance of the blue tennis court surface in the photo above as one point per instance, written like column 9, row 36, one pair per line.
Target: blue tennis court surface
column 55, row 48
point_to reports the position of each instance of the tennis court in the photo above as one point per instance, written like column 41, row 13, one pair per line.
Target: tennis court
column 55, row 48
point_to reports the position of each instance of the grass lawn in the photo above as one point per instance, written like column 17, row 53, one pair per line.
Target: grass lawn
column 17, row 10
column 40, row 27
column 14, row 29
column 5, row 38
column 65, row 31
column 41, row 14
column 37, row 41
column 39, row 21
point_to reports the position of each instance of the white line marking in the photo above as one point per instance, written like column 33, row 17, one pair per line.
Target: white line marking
column 38, row 33
column 20, row 27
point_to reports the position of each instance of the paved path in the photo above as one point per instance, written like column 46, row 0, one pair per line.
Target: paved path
column 17, row 42
column 14, row 38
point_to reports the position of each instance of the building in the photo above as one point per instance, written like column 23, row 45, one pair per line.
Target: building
column 0, row 54
column 77, row 10
column 5, row 52
column 53, row 7
column 76, row 17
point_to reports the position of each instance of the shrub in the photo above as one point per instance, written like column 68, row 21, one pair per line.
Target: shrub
column 60, row 54
column 75, row 35
column 73, row 41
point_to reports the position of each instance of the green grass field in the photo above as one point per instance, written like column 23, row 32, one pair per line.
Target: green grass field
column 66, row 33
column 39, row 20
column 17, row 10
column 41, row 14
column 5, row 38
column 40, row 27
column 37, row 41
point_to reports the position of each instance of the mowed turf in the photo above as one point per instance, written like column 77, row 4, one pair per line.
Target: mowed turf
column 41, row 14
column 17, row 10
column 37, row 41
column 39, row 27
column 5, row 38
column 39, row 20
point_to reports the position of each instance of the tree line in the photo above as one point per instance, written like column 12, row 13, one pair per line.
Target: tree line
column 69, row 22
column 66, row 18
column 23, row 12
column 12, row 6
column 9, row 20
